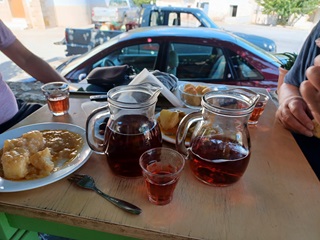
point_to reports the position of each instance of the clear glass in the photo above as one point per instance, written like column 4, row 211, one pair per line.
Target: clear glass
column 258, row 109
column 57, row 96
column 161, row 168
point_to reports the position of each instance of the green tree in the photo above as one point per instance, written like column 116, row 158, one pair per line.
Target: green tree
column 140, row 2
column 288, row 12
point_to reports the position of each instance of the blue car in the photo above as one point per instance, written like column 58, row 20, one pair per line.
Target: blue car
column 79, row 41
column 191, row 54
column 186, row 17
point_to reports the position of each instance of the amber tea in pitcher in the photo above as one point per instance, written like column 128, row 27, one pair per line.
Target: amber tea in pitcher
column 219, row 150
column 131, row 127
column 124, row 146
column 210, row 168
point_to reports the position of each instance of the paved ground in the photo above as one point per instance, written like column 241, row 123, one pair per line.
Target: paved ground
column 41, row 42
column 288, row 39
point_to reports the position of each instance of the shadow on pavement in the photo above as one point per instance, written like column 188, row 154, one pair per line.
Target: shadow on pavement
column 10, row 70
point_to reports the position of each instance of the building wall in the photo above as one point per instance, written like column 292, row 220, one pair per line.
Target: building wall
column 231, row 10
column 17, row 8
column 34, row 16
column 50, row 13
column 28, row 10
column 247, row 11
column 219, row 10
column 5, row 12
column 71, row 13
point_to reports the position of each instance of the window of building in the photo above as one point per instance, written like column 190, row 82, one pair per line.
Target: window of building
column 233, row 10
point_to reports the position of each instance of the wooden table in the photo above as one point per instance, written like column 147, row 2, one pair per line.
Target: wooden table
column 277, row 198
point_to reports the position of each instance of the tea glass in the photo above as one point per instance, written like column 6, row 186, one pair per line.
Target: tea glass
column 258, row 109
column 161, row 169
column 57, row 96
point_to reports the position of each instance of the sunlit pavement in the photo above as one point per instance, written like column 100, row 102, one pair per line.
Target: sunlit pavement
column 38, row 41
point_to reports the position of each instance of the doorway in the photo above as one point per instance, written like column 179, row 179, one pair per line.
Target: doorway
column 17, row 9
column 233, row 10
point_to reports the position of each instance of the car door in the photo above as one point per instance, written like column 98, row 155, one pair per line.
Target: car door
column 198, row 62
column 214, row 64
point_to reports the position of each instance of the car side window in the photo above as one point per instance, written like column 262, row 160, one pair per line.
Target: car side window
column 118, row 3
column 156, row 19
column 173, row 19
column 183, row 19
column 243, row 69
column 189, row 20
column 138, row 56
column 199, row 61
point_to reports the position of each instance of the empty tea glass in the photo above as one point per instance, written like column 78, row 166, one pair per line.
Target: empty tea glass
column 258, row 109
column 161, row 168
column 57, row 96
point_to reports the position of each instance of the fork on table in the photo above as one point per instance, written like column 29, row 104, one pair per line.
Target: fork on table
column 87, row 182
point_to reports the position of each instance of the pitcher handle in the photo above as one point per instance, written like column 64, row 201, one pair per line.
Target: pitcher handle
column 183, row 128
column 94, row 142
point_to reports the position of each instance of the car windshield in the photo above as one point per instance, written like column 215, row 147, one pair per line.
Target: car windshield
column 259, row 51
column 72, row 63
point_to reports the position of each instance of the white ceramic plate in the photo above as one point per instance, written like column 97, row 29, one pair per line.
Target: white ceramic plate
column 76, row 163
column 171, row 139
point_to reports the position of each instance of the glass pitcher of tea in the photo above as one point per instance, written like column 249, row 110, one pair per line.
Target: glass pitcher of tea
column 219, row 150
column 130, row 129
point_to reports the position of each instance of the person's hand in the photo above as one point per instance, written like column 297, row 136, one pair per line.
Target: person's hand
column 310, row 90
column 295, row 115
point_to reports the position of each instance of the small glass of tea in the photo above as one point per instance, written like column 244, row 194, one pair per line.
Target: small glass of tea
column 258, row 109
column 161, row 168
column 57, row 95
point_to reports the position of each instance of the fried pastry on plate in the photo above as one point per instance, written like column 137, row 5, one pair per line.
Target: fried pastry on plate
column 15, row 163
column 169, row 121
column 191, row 94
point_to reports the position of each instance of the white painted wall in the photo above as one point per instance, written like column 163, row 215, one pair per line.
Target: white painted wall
column 72, row 13
column 218, row 9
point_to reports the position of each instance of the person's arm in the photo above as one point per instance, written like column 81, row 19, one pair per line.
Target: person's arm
column 32, row 64
column 309, row 50
column 310, row 89
column 293, row 111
